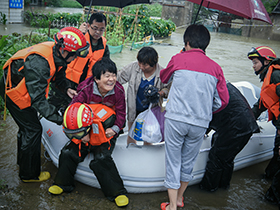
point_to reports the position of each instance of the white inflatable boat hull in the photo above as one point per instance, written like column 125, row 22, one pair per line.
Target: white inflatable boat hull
column 143, row 168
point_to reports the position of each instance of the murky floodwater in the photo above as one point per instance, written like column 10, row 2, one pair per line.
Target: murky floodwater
column 247, row 186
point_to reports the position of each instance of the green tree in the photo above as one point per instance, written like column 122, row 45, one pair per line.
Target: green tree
column 269, row 5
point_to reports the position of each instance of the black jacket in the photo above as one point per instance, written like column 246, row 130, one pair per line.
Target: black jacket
column 36, row 72
column 237, row 119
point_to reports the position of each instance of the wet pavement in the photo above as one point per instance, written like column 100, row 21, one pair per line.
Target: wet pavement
column 246, row 192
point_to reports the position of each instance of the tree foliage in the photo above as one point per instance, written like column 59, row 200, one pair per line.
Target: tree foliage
column 269, row 5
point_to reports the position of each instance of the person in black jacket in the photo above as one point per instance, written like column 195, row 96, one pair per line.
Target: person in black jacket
column 267, row 66
column 24, row 88
column 233, row 127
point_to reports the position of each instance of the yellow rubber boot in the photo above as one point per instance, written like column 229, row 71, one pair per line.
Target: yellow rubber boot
column 56, row 190
column 121, row 201
column 44, row 175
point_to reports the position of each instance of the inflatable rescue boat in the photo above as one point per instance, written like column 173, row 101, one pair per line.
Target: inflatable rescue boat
column 142, row 167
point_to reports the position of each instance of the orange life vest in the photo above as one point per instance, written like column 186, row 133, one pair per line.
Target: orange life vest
column 75, row 68
column 97, row 134
column 268, row 95
column 101, row 114
column 19, row 94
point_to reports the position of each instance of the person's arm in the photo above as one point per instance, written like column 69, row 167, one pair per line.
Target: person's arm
column 165, row 90
column 106, row 52
column 61, row 82
column 166, row 74
column 120, row 109
column 257, row 109
column 81, row 95
column 275, row 78
column 83, row 28
column 37, row 72
column 221, row 97
column 124, row 75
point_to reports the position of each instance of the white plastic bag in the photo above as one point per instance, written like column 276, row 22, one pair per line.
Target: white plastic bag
column 149, row 130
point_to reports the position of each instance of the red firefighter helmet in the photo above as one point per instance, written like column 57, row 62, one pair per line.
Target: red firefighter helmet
column 262, row 51
column 77, row 120
column 72, row 40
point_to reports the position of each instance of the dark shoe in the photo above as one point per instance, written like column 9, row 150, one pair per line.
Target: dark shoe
column 201, row 186
column 269, row 196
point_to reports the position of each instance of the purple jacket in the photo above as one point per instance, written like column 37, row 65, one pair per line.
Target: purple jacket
column 88, row 93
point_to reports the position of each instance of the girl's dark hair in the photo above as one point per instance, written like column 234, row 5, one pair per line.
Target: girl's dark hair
column 102, row 66
column 148, row 55
column 198, row 36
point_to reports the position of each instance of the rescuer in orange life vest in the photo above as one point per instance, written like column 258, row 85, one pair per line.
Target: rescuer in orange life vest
column 80, row 69
column 24, row 88
column 106, row 99
column 267, row 66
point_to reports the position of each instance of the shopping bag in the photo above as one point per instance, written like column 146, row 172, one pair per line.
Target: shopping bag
column 146, row 127
column 159, row 114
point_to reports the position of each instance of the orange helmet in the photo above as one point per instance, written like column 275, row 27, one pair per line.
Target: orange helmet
column 77, row 120
column 262, row 51
column 72, row 40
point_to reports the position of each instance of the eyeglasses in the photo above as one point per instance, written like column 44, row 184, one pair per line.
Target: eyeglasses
column 101, row 30
column 77, row 133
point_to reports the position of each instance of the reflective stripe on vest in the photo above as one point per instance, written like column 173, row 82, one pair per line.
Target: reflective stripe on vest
column 97, row 134
column 19, row 94
column 101, row 113
column 75, row 68
column 268, row 95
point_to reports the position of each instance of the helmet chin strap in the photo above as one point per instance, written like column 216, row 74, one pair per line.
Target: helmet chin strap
column 68, row 56
column 259, row 71
column 262, row 68
column 60, row 55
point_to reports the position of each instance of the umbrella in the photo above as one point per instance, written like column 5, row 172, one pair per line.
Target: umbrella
column 250, row 9
column 111, row 3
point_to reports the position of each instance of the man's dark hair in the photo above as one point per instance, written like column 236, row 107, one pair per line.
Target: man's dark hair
column 198, row 36
column 148, row 55
column 98, row 17
column 102, row 66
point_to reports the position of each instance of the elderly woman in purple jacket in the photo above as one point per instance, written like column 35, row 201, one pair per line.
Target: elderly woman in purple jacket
column 101, row 88
column 96, row 91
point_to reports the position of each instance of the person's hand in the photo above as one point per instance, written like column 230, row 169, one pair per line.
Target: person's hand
column 161, row 93
column 71, row 93
column 85, row 139
column 83, row 28
column 109, row 132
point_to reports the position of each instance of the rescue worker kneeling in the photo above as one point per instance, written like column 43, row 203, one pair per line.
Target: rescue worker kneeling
column 85, row 126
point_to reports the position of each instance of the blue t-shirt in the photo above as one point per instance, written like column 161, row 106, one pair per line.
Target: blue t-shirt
column 140, row 94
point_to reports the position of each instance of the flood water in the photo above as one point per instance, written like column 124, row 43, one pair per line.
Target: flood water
column 247, row 186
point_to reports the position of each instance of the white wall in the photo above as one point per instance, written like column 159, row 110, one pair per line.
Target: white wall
column 13, row 15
